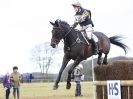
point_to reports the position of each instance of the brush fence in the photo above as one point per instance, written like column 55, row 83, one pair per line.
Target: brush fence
column 118, row 70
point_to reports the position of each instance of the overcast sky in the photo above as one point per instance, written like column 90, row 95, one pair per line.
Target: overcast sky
column 25, row 23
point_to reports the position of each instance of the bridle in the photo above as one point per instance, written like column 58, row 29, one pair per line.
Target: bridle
column 62, row 30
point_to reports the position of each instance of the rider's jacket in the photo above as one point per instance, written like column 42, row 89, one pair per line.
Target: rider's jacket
column 83, row 17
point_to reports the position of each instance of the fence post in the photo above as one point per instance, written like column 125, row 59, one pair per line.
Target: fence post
column 93, row 78
column 103, row 91
column 128, row 92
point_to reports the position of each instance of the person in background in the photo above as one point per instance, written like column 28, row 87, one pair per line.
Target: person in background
column 16, row 78
column 7, row 84
column 27, row 77
column 77, row 79
column 22, row 78
column 31, row 77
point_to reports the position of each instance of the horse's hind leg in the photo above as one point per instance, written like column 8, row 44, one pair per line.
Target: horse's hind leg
column 105, row 59
column 99, row 61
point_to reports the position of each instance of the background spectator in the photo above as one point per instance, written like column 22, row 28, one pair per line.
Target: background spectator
column 7, row 84
column 77, row 79
column 16, row 78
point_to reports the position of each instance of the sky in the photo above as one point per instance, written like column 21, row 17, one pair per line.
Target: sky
column 25, row 24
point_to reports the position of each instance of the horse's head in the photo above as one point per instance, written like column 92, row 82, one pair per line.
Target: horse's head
column 58, row 32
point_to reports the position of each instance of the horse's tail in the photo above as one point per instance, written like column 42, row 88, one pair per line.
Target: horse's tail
column 116, row 40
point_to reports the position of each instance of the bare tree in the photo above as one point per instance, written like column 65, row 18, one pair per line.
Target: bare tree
column 43, row 55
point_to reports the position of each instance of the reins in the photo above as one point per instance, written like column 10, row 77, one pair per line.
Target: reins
column 68, row 32
column 77, row 40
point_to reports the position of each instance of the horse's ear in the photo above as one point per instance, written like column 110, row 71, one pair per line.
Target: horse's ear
column 52, row 23
column 58, row 23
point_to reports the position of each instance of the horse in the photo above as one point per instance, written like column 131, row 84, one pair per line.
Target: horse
column 76, row 48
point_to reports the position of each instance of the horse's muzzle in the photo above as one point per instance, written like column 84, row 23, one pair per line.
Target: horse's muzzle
column 54, row 42
column 53, row 45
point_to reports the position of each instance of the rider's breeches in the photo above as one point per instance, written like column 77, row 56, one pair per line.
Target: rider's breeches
column 89, row 34
column 83, row 29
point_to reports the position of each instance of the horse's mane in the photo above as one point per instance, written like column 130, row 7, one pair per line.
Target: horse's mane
column 63, row 23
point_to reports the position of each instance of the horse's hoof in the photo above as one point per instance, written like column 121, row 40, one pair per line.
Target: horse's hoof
column 104, row 63
column 55, row 87
column 99, row 62
column 68, row 86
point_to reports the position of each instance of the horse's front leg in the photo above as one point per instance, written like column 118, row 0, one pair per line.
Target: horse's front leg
column 76, row 62
column 64, row 63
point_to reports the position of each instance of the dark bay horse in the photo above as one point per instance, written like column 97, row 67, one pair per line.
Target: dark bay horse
column 76, row 48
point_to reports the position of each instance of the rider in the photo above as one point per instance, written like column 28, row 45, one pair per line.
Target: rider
column 83, row 18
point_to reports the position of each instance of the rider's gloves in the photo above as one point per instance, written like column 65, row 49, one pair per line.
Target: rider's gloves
column 75, row 24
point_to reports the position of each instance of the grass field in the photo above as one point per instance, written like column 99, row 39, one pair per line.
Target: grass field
column 44, row 91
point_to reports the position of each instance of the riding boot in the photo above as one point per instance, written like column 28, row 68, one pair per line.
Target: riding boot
column 94, row 46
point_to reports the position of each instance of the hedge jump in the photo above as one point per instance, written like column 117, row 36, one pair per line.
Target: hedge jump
column 118, row 70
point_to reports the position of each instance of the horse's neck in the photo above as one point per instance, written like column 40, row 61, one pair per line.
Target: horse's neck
column 71, row 38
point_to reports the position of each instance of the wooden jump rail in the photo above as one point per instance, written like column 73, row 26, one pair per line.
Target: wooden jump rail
column 123, row 83
column 127, row 83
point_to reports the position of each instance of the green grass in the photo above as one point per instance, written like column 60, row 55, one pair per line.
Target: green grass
column 44, row 91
